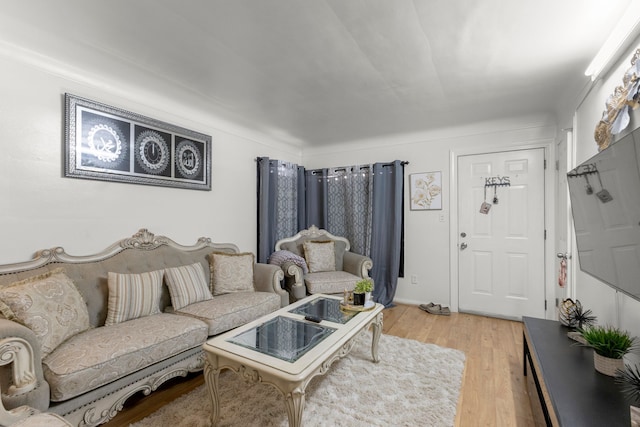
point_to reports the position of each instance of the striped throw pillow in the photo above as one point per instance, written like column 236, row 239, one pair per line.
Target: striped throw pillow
column 187, row 285
column 133, row 295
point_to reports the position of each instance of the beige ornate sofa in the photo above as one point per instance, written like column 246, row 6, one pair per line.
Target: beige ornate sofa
column 135, row 333
column 308, row 270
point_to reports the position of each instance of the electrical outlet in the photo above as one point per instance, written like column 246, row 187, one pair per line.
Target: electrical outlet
column 442, row 217
column 414, row 279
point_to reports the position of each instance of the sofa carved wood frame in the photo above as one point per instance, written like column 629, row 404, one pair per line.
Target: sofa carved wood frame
column 20, row 362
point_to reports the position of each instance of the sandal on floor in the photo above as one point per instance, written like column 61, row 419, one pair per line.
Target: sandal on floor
column 425, row 307
column 438, row 309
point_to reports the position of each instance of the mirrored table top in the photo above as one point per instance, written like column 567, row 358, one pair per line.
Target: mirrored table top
column 283, row 337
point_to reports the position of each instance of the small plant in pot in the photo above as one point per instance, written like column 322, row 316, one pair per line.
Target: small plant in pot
column 609, row 347
column 362, row 291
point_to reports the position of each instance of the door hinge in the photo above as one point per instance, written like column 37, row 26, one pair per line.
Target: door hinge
column 557, row 165
column 545, row 234
column 545, row 164
column 545, row 305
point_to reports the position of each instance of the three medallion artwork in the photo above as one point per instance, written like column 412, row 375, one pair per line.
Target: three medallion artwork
column 107, row 147
column 109, row 143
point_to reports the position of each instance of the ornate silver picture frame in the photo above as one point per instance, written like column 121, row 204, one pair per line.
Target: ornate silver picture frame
column 111, row 144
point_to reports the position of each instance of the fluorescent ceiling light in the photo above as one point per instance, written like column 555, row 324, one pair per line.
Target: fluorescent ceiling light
column 625, row 31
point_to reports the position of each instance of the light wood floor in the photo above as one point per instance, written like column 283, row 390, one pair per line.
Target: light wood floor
column 493, row 390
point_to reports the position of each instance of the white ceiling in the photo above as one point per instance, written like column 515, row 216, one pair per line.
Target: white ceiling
column 312, row 72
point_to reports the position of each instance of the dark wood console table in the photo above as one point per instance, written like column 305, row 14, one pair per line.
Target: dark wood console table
column 571, row 392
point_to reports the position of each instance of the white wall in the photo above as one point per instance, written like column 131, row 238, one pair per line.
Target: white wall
column 427, row 238
column 39, row 208
column 611, row 307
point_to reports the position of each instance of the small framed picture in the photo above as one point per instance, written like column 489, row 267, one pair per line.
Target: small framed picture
column 111, row 144
column 426, row 191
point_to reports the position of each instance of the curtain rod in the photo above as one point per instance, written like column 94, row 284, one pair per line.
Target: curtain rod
column 403, row 163
column 344, row 168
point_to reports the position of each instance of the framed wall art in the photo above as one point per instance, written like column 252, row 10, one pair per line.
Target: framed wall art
column 426, row 191
column 111, row 144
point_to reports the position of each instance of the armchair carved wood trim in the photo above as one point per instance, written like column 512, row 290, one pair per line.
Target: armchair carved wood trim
column 349, row 267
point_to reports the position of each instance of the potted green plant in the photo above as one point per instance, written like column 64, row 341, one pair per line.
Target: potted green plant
column 609, row 345
column 362, row 291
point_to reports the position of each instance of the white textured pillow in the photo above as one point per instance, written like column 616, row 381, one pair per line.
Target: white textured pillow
column 231, row 272
column 320, row 256
column 49, row 304
column 133, row 295
column 187, row 285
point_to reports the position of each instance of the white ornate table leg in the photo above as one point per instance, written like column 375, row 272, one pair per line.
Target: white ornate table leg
column 375, row 339
column 211, row 375
column 294, row 401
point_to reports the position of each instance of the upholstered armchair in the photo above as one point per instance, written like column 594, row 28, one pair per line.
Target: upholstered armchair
column 315, row 261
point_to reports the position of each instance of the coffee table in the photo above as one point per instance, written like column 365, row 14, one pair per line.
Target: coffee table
column 285, row 350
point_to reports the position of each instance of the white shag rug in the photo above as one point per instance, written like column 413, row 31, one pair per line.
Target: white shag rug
column 414, row 384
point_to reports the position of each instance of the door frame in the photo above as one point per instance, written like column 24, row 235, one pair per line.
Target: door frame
column 569, row 136
column 549, row 211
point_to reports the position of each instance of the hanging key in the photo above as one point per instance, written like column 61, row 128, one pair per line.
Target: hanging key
column 589, row 188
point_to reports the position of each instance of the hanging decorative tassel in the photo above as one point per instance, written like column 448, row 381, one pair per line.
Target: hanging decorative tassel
column 562, row 276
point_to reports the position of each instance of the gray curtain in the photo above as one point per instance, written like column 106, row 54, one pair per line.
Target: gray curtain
column 350, row 205
column 387, row 241
column 316, row 198
column 280, row 203
column 339, row 200
column 365, row 205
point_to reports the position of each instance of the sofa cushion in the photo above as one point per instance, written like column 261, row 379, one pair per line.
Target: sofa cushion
column 330, row 282
column 225, row 312
column 187, row 285
column 297, row 247
column 49, row 304
column 231, row 272
column 320, row 256
column 133, row 295
column 102, row 355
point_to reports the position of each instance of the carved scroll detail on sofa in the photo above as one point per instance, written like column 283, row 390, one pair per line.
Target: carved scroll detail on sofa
column 19, row 352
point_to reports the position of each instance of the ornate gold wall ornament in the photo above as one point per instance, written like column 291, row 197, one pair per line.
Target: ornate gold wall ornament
column 616, row 118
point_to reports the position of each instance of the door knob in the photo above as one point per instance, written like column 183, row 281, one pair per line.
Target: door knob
column 463, row 246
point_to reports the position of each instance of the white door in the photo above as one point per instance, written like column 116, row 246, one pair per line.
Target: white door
column 501, row 258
